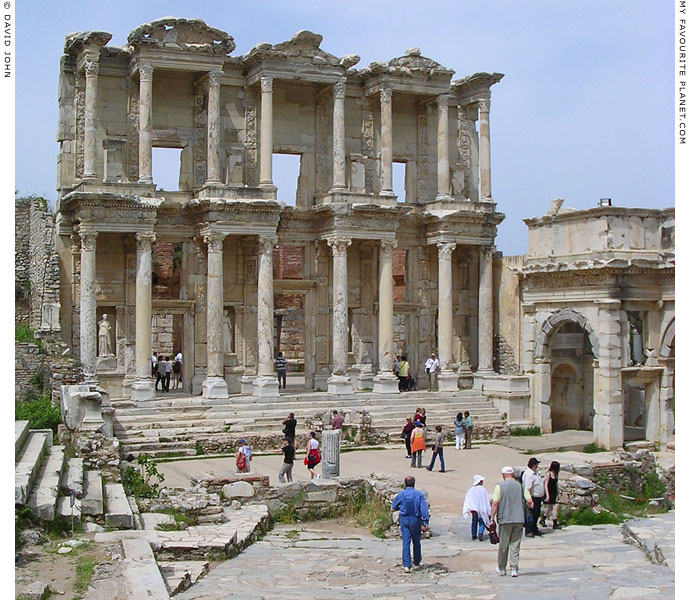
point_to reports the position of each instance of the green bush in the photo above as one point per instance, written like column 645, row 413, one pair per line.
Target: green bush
column 592, row 448
column 525, row 431
column 585, row 516
column 39, row 412
column 23, row 333
column 146, row 485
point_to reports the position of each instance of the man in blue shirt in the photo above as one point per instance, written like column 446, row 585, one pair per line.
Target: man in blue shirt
column 414, row 518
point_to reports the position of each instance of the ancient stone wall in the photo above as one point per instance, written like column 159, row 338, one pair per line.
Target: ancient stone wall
column 162, row 333
column 22, row 228
column 290, row 307
column 507, row 321
column 27, row 362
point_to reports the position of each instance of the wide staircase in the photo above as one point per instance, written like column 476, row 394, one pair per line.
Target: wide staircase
column 172, row 425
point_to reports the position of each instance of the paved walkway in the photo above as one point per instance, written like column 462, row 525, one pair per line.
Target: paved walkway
column 314, row 561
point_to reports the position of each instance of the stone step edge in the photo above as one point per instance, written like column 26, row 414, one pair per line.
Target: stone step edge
column 141, row 571
column 43, row 497
column 26, row 471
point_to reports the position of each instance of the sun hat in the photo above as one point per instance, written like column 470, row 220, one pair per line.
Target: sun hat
column 477, row 479
column 507, row 471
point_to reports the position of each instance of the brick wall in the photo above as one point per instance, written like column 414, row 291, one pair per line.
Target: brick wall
column 287, row 262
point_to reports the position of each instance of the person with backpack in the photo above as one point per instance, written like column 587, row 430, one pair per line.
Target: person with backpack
column 243, row 457
column 313, row 457
column 469, row 426
column 403, row 373
column 281, row 370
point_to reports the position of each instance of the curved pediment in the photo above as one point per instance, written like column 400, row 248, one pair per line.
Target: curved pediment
column 75, row 42
column 411, row 63
column 192, row 35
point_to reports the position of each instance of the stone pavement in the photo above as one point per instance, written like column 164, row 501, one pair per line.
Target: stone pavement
column 319, row 560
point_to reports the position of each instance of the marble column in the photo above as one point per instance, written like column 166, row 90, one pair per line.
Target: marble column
column 486, row 314
column 484, row 150
column 145, row 123
column 386, row 142
column 87, row 305
column 443, row 192
column 339, row 381
column 266, row 146
column 213, row 135
column 385, row 381
column 265, row 383
column 447, row 378
column 90, row 98
column 339, row 135
column 143, row 385
column 330, row 453
column 214, row 386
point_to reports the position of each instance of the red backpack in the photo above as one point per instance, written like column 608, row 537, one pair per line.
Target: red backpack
column 241, row 461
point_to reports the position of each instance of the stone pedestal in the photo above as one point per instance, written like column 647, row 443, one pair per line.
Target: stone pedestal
column 365, row 377
column 214, row 387
column 339, row 385
column 246, row 384
column 447, row 381
column 263, row 387
column 330, row 454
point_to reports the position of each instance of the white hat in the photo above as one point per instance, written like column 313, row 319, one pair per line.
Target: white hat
column 507, row 471
column 477, row 479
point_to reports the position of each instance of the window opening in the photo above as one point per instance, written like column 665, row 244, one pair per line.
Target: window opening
column 286, row 169
column 399, row 180
column 166, row 168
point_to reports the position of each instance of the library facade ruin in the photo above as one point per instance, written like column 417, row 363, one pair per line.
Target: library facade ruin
column 578, row 333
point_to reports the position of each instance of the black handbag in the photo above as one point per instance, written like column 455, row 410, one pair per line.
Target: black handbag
column 493, row 536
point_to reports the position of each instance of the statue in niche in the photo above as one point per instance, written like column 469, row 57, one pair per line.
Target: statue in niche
column 227, row 333
column 105, row 346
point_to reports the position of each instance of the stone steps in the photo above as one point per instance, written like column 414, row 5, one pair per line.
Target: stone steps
column 92, row 500
column 65, row 510
column 118, row 512
column 180, row 575
column 21, row 432
column 28, row 464
column 43, row 497
column 141, row 572
column 73, row 478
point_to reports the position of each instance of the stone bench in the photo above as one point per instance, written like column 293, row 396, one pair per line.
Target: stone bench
column 27, row 467
column 140, row 570
column 118, row 513
column 43, row 498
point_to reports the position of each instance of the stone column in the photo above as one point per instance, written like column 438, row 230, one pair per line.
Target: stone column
column 87, row 305
column 266, row 147
column 214, row 386
column 91, row 93
column 339, row 382
column 330, row 454
column 484, row 150
column 385, row 381
column 143, row 385
column 447, row 379
column 145, row 123
column 339, row 135
column 486, row 315
column 443, row 192
column 213, row 135
column 266, row 383
column 386, row 142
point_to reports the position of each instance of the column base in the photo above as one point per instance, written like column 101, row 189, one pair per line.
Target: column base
column 447, row 381
column 265, row 387
column 148, row 180
column 385, row 383
column 443, row 198
column 214, row 387
column 339, row 385
column 247, row 384
column 127, row 383
column 365, row 377
column 143, row 389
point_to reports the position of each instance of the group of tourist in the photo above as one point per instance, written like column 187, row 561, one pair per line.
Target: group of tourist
column 514, row 506
column 164, row 369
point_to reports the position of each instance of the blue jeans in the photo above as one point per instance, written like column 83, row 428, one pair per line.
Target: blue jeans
column 476, row 519
column 411, row 530
column 433, row 459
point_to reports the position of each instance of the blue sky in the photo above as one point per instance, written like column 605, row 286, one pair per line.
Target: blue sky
column 585, row 109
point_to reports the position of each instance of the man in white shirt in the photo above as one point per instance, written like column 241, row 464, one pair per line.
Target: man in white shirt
column 534, row 484
column 432, row 367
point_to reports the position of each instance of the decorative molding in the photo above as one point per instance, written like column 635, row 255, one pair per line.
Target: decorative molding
column 484, row 105
column 386, row 95
column 267, row 243
column 214, row 78
column 566, row 315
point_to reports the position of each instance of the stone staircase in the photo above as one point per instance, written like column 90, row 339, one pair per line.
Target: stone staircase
column 170, row 426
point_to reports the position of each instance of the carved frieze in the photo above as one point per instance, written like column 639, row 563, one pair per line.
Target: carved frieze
column 250, row 140
column 80, row 112
column 323, row 157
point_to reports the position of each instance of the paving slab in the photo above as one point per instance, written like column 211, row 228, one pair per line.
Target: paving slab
column 92, row 500
column 65, row 510
column 141, row 571
column 119, row 513
column 73, row 478
column 180, row 575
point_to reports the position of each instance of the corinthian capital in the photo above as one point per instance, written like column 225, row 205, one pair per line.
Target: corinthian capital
column 484, row 105
column 386, row 95
column 387, row 247
column 214, row 78
column 91, row 68
column 339, row 89
column 445, row 249
column 214, row 240
column 88, row 240
column 267, row 243
column 144, row 240
column 486, row 252
column 267, row 84
column 145, row 72
column 442, row 101
column 339, row 245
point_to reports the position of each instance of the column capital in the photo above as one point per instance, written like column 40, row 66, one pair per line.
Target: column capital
column 145, row 72
column 267, row 243
column 387, row 246
column 88, row 240
column 386, row 95
column 91, row 68
column 339, row 89
column 214, row 78
column 484, row 104
column 442, row 101
column 267, row 84
column 339, row 245
column 214, row 240
column 445, row 249
column 486, row 251
column 144, row 240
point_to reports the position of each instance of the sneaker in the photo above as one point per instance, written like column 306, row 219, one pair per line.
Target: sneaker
column 481, row 537
column 428, row 468
column 513, row 573
column 501, row 572
column 474, row 537
column 406, row 569
column 417, row 567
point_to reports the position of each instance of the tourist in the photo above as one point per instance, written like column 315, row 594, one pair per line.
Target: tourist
column 336, row 420
column 477, row 504
column 177, row 372
column 417, row 415
column 459, row 424
column 534, row 484
column 243, row 457
column 403, row 373
column 396, row 365
column 422, row 417
column 160, row 373
column 168, row 373
column 469, row 426
column 413, row 519
column 432, row 367
column 417, row 444
column 154, row 364
column 551, row 500
column 406, row 434
column 281, row 370
column 437, row 450
column 290, row 425
column 288, row 461
column 313, row 457
column 508, row 509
